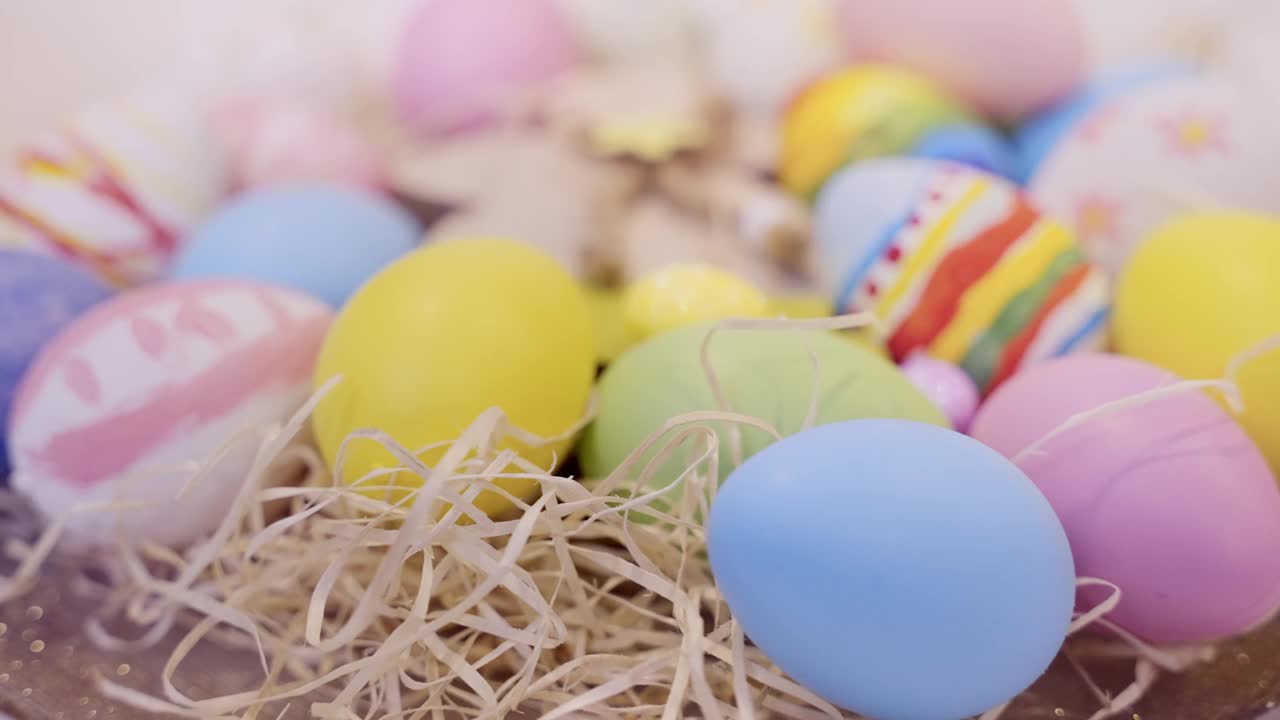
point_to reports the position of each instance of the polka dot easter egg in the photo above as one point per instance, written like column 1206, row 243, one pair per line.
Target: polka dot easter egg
column 956, row 262
column 1168, row 148
column 873, row 111
column 117, row 408
column 115, row 189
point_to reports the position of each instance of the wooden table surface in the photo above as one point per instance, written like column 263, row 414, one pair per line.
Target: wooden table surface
column 46, row 667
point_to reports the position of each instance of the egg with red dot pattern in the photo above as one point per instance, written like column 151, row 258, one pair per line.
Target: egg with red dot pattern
column 957, row 263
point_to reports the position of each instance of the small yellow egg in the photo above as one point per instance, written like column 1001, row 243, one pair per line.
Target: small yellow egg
column 683, row 295
column 612, row 331
column 802, row 307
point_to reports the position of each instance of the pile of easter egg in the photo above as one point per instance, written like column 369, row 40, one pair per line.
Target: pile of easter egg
column 1029, row 247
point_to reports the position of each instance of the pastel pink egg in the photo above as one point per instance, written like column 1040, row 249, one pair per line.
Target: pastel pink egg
column 461, row 61
column 1169, row 500
column 1006, row 57
column 947, row 385
column 119, row 404
column 271, row 142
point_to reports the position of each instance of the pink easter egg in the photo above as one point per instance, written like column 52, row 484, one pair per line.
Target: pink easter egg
column 120, row 403
column 1169, row 500
column 460, row 61
column 1006, row 57
column 947, row 385
column 276, row 142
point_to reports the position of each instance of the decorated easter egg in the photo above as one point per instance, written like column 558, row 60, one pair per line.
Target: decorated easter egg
column 767, row 374
column 325, row 240
column 859, row 113
column 949, row 387
column 278, row 142
column 461, row 63
column 1039, row 135
column 1168, row 148
column 1169, row 500
column 444, row 334
column 1006, row 57
column 899, row 570
column 760, row 51
column 682, row 295
column 39, row 296
column 956, row 262
column 116, row 189
column 1200, row 292
column 120, row 404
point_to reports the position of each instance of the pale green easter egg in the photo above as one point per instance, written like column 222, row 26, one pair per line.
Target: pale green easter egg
column 766, row 374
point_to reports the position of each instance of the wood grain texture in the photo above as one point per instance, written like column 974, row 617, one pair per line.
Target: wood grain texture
column 56, row 683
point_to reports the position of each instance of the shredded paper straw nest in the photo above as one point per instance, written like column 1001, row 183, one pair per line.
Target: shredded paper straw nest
column 425, row 608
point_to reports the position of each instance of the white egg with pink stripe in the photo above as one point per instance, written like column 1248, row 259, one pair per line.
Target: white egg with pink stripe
column 116, row 408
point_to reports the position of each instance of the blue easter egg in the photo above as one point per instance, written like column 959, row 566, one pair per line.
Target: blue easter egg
column 321, row 240
column 39, row 296
column 971, row 144
column 900, row 570
column 1038, row 136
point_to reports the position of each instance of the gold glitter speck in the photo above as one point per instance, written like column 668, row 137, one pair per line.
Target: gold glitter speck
column 123, row 669
column 26, row 692
column 3, row 629
column 84, row 701
column 28, row 635
column 1059, row 712
column 92, row 714
column 1242, row 658
column 35, row 612
column 37, row 646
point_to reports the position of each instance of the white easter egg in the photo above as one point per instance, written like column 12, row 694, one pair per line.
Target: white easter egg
column 1190, row 143
column 131, row 398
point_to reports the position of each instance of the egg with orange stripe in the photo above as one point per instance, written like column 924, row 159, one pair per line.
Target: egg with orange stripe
column 956, row 262
column 116, row 188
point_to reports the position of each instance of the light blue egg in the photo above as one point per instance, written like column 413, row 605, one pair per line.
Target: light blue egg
column 39, row 296
column 897, row 569
column 322, row 240
column 974, row 145
column 1038, row 136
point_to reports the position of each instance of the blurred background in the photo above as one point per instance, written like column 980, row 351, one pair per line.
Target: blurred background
column 56, row 55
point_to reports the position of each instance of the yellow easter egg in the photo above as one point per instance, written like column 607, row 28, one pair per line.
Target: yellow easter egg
column 802, row 307
column 612, row 332
column 858, row 113
column 1199, row 292
column 683, row 295
column 446, row 333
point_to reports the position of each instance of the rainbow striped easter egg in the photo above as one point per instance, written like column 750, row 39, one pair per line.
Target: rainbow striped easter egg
column 956, row 262
column 115, row 189
column 118, row 406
